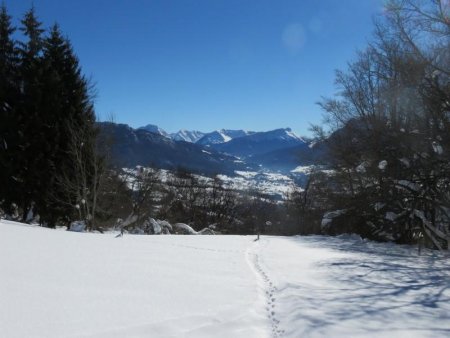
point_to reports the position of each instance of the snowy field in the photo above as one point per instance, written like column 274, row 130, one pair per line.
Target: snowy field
column 61, row 284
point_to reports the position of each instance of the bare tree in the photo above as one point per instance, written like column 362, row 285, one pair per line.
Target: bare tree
column 389, row 143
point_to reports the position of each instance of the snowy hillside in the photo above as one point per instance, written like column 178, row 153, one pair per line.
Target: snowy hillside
column 60, row 284
column 276, row 185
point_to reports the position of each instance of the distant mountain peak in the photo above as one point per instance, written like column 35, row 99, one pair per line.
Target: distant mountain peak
column 260, row 142
column 187, row 135
column 155, row 129
column 222, row 136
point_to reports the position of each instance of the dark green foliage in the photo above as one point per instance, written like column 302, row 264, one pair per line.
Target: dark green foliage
column 47, row 124
column 9, row 96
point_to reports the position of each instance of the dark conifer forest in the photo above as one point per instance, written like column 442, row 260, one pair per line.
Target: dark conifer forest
column 47, row 121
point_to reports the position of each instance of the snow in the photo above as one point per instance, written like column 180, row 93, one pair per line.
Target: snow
column 327, row 218
column 408, row 184
column 293, row 135
column 184, row 228
column 187, row 135
column 405, row 162
column 382, row 165
column 275, row 184
column 362, row 167
column 224, row 136
column 246, row 174
column 77, row 226
column 61, row 284
column 437, row 148
column 307, row 169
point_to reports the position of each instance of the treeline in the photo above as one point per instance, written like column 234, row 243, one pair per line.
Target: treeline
column 200, row 201
column 389, row 134
column 48, row 160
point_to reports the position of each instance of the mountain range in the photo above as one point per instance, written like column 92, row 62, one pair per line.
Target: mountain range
column 195, row 136
column 221, row 151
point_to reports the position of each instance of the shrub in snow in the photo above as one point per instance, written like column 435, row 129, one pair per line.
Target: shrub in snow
column 155, row 227
column 206, row 231
column 328, row 217
column 345, row 221
column 437, row 148
column 362, row 167
column 77, row 226
column 165, row 226
column 30, row 215
column 14, row 215
column 182, row 228
column 137, row 231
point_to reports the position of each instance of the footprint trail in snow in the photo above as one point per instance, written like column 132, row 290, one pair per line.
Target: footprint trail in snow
column 269, row 290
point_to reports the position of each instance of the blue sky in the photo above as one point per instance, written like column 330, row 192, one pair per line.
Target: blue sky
column 210, row 64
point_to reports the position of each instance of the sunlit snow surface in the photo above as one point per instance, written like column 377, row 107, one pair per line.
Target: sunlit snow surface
column 61, row 284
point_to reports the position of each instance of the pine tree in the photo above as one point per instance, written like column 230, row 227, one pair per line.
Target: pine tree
column 29, row 123
column 48, row 155
column 9, row 95
column 70, row 147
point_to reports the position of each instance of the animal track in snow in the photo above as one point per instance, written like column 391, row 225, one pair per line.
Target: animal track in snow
column 270, row 299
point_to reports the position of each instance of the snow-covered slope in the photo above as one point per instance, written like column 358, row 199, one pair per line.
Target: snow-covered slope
column 276, row 185
column 187, row 135
column 61, row 284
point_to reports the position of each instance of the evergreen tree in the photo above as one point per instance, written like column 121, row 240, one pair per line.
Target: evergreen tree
column 29, row 122
column 48, row 155
column 9, row 95
column 70, row 129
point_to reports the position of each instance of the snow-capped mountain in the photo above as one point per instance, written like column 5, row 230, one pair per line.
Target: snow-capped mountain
column 260, row 143
column 187, row 135
column 133, row 147
column 222, row 136
column 280, row 149
column 155, row 129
